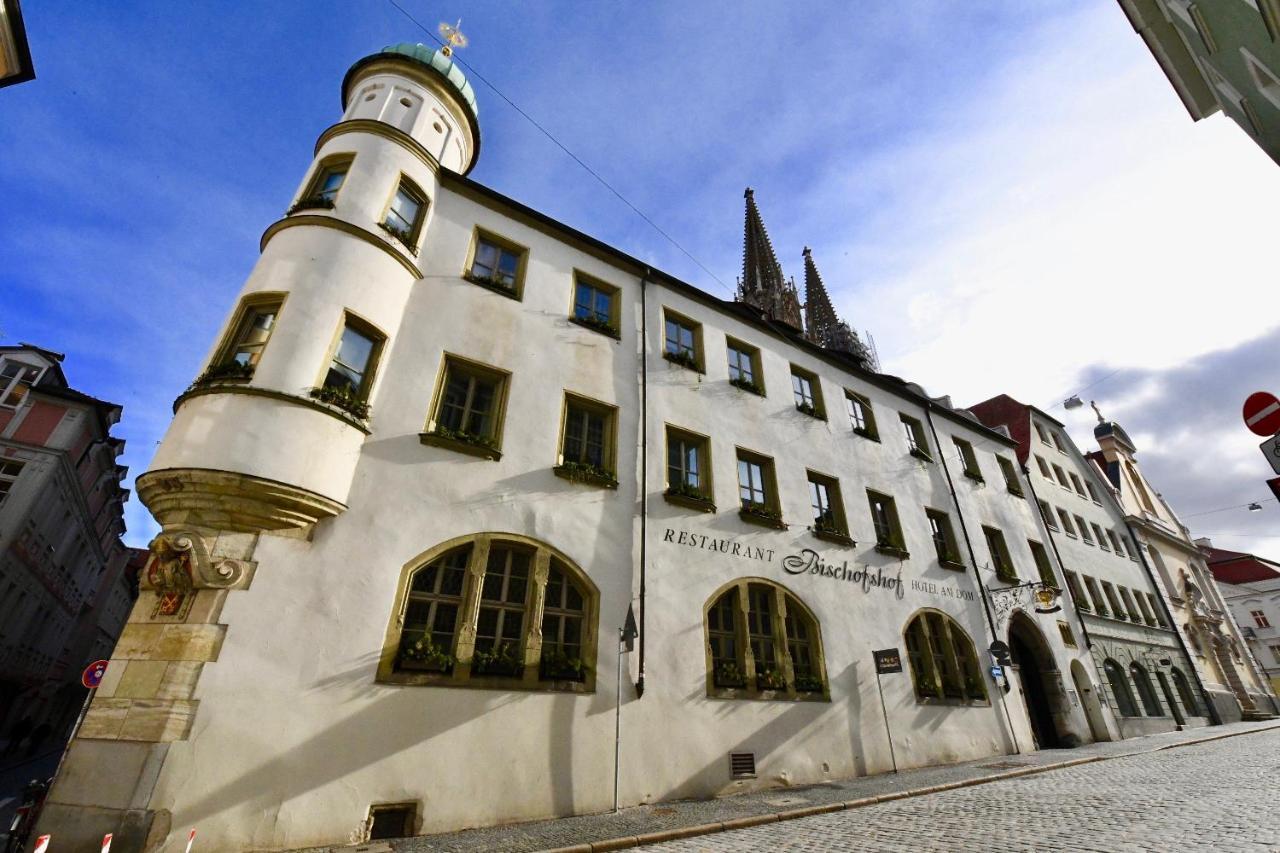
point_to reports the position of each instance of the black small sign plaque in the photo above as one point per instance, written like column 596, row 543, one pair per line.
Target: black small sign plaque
column 887, row 660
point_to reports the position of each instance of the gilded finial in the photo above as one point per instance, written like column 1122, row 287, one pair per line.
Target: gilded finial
column 452, row 36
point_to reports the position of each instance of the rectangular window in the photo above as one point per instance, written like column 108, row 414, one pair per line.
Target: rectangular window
column 917, row 443
column 1067, row 527
column 1093, row 492
column 1100, row 536
column 405, row 213
column 1010, row 473
column 1275, row 653
column 323, row 192
column 1129, row 607
column 1099, row 603
column 944, row 538
column 744, row 367
column 1044, row 467
column 354, row 359
column 1061, row 476
column 1057, row 442
column 1117, row 610
column 884, row 518
column 1044, row 436
column 1044, row 568
column 595, row 305
column 470, row 403
column 1077, row 591
column 1047, row 514
column 588, row 436
column 1141, row 600
column 807, row 392
column 1260, row 618
column 688, row 469
column 1068, row 638
column 254, row 323
column 1084, row 530
column 500, row 624
column 1115, row 542
column 861, row 416
column 757, row 489
column 828, row 508
column 1000, row 559
column 10, row 469
column 969, row 459
column 16, row 379
column 1157, row 611
column 682, row 343
column 497, row 263
column 1077, row 484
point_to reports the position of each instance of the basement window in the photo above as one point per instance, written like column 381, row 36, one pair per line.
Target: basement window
column 392, row 820
column 742, row 765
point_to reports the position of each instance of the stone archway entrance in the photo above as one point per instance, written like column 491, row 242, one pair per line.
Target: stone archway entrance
column 1088, row 694
column 1035, row 669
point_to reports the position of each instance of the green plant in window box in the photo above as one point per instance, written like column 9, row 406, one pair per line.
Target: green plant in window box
column 811, row 411
column 342, row 398
column 404, row 235
column 807, row 683
column 747, row 385
column 492, row 282
column 502, row 659
column 683, row 358
column 424, row 654
column 314, row 202
column 684, row 490
column 727, row 674
column 557, row 666
column 585, row 472
column 826, row 523
column 763, row 512
column 596, row 323
column 770, row 679
column 464, row 436
column 229, row 371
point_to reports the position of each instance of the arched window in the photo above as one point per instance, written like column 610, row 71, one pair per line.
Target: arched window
column 1143, row 682
column 1120, row 689
column 944, row 663
column 1185, row 696
column 762, row 642
column 467, row 612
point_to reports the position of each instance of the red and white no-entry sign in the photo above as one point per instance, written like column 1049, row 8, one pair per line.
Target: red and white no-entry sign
column 1262, row 413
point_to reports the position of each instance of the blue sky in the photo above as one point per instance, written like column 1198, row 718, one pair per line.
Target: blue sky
column 1007, row 194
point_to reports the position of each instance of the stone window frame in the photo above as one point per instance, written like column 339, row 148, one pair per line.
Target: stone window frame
column 1100, row 536
column 1043, row 465
column 1057, row 441
column 947, row 550
column 1046, row 514
column 1083, row 527
column 1001, row 559
column 1009, row 471
column 1043, row 434
column 1044, row 566
column 611, row 327
column 410, row 188
column 1067, row 527
column 1182, row 689
column 692, row 360
column 1077, row 590
column 8, row 389
column 330, row 165
column 234, row 335
column 1068, row 636
column 863, row 403
column 1100, row 606
column 480, row 235
column 1060, row 476
column 917, row 440
column 772, row 506
column 1077, row 484
column 1093, row 492
column 352, row 320
column 923, row 626
column 465, row 631
column 1141, row 600
column 609, row 452
column 811, row 404
column 889, row 540
column 490, row 445
column 1157, row 610
column 837, row 530
column 1113, row 599
column 1118, row 680
column 785, row 603
column 755, row 385
column 680, row 494
column 1130, row 607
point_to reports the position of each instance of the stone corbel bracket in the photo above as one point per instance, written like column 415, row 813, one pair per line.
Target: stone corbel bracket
column 180, row 562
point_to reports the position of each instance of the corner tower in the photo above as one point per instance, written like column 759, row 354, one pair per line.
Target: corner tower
column 265, row 441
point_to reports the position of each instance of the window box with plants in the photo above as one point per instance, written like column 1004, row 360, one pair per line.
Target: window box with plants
column 494, row 283
column 424, row 655
column 762, row 514
column 342, row 398
column 811, row 411
column 893, row 549
column 585, row 472
column 682, row 494
column 747, row 385
column 462, row 441
column 683, row 358
column 230, row 371
column 770, row 679
column 503, row 659
column 807, row 683
column 312, row 202
column 403, row 235
column 827, row 529
column 595, row 324
column 726, row 674
column 557, row 666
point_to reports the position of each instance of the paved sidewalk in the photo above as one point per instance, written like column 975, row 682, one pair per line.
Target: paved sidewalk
column 685, row 818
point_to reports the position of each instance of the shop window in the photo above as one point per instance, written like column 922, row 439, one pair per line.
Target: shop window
column 762, row 642
column 944, row 663
column 1125, row 705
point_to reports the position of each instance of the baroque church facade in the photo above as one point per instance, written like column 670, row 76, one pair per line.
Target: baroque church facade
column 462, row 491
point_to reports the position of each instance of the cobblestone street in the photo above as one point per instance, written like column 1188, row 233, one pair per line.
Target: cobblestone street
column 1211, row 796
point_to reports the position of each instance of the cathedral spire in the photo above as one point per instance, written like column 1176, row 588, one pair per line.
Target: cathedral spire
column 822, row 326
column 762, row 285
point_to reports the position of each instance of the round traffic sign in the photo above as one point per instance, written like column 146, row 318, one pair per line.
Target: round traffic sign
column 1262, row 413
column 93, row 673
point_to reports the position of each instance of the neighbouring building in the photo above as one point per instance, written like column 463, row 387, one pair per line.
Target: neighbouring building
column 446, row 452
column 15, row 52
column 1222, row 660
column 1218, row 56
column 64, row 584
column 1250, row 586
column 1149, row 682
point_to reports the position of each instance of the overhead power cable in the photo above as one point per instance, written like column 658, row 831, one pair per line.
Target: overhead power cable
column 1225, row 508
column 549, row 135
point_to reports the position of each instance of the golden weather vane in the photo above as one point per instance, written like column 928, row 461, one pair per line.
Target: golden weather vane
column 453, row 37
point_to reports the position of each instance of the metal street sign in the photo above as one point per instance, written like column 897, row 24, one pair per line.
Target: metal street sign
column 1262, row 413
column 1000, row 653
column 887, row 661
column 1271, row 450
column 93, row 673
column 997, row 671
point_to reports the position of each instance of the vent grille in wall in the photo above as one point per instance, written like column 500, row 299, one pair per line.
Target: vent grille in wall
column 742, row 765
